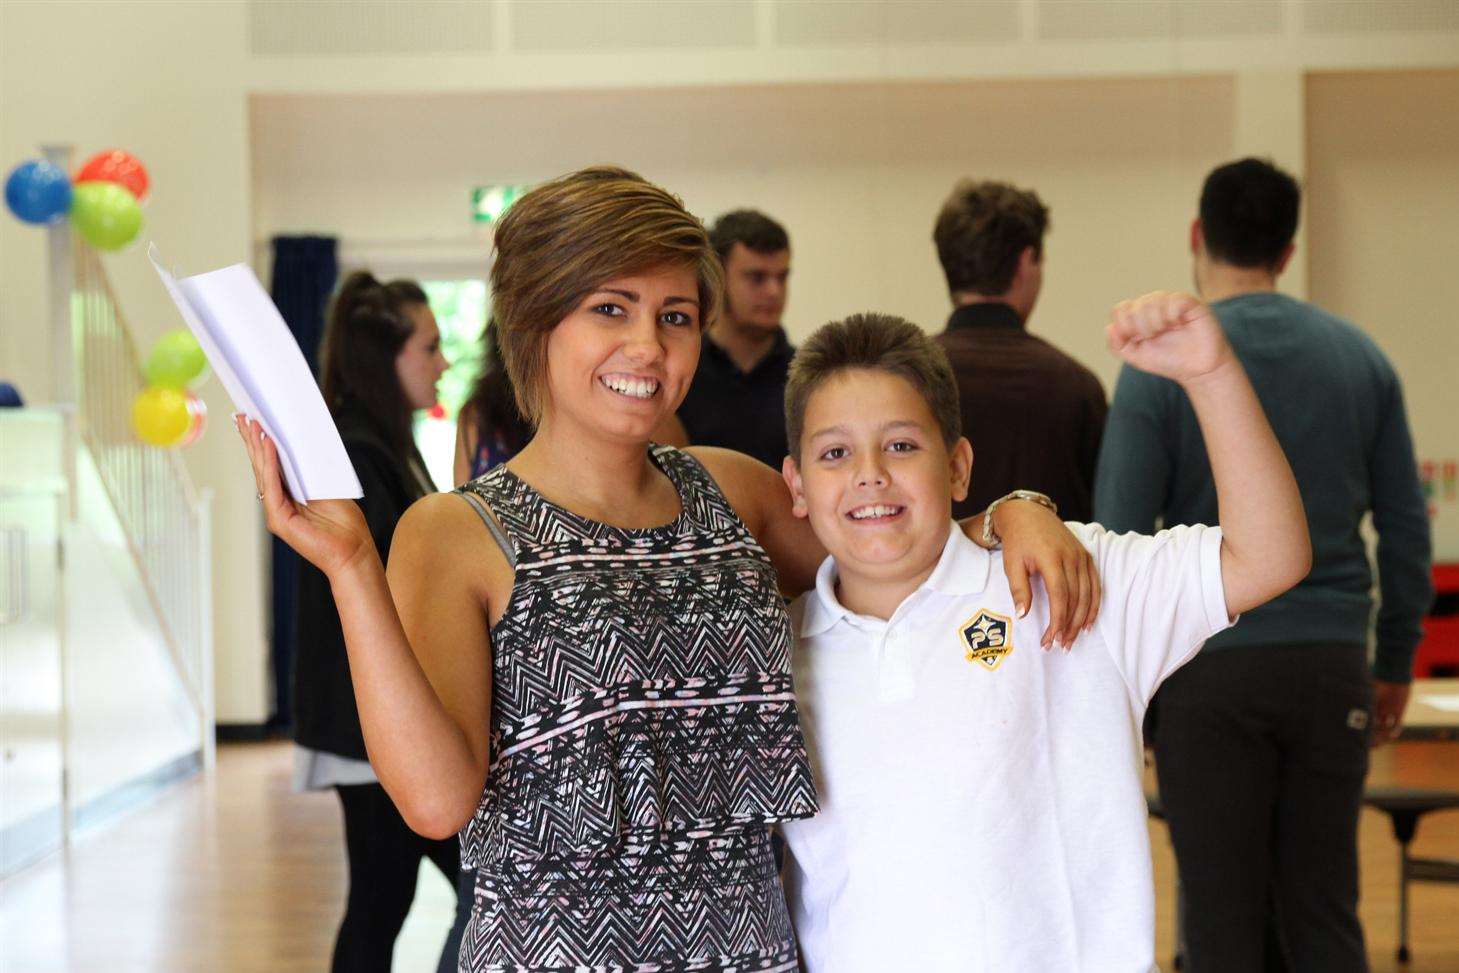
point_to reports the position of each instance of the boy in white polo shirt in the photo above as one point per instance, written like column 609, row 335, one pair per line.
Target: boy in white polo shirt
column 981, row 806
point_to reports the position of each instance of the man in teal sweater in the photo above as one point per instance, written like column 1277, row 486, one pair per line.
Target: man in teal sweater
column 1261, row 741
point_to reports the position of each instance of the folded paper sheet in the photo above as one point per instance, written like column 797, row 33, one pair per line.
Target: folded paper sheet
column 258, row 361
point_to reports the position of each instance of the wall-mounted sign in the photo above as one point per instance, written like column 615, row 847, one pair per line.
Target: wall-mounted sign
column 488, row 203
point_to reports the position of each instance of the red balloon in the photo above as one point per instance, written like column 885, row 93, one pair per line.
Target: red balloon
column 197, row 412
column 116, row 166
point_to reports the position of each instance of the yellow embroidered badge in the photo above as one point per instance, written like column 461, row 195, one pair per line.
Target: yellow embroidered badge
column 987, row 638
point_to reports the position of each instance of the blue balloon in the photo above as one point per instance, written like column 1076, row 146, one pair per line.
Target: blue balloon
column 38, row 192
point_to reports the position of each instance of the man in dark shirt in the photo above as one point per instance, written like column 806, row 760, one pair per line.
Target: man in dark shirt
column 1033, row 414
column 1261, row 742
column 738, row 396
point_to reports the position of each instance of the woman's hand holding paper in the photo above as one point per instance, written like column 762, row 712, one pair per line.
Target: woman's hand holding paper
column 330, row 534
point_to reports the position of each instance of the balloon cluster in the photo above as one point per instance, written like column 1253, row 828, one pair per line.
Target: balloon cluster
column 168, row 412
column 104, row 201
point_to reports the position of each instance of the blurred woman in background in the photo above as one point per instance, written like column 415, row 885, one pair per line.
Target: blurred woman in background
column 489, row 428
column 380, row 361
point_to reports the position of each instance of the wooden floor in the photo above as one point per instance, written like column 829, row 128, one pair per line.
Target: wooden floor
column 235, row 873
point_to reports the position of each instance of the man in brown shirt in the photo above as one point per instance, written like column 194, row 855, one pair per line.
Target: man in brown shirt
column 1033, row 414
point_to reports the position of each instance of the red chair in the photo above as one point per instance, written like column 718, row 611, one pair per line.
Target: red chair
column 1440, row 645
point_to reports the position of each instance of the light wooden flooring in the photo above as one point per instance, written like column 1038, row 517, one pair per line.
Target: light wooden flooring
column 234, row 873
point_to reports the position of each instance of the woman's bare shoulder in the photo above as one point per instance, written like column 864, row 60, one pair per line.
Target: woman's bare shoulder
column 748, row 484
column 443, row 529
column 728, row 464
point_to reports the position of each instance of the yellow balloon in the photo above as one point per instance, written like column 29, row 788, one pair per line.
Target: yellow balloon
column 161, row 417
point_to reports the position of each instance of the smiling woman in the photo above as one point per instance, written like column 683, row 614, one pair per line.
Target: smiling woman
column 632, row 345
column 634, row 581
column 580, row 660
column 620, row 226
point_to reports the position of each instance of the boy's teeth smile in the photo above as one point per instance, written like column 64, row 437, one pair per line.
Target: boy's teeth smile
column 631, row 386
column 875, row 511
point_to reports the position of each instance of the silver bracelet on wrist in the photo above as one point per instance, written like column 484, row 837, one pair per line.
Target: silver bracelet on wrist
column 990, row 537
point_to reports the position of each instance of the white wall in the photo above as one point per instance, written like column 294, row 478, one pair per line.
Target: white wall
column 1383, row 211
column 856, row 173
column 438, row 46
column 164, row 80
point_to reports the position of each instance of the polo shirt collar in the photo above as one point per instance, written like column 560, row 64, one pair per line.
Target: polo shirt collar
column 962, row 570
column 985, row 314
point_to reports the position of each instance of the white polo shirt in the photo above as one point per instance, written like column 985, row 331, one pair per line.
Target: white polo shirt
column 981, row 803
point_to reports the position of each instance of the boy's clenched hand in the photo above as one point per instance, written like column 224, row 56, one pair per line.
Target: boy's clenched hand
column 1170, row 334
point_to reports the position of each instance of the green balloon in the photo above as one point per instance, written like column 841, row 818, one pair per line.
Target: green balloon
column 176, row 361
column 106, row 214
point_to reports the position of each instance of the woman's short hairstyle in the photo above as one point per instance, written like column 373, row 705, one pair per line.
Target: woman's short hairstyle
column 566, row 238
column 873, row 342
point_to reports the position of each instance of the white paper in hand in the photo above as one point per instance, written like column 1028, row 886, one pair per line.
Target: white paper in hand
column 258, row 361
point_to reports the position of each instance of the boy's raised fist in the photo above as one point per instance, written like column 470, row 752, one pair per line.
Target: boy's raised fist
column 1168, row 333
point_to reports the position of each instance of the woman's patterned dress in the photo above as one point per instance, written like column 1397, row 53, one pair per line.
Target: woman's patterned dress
column 644, row 734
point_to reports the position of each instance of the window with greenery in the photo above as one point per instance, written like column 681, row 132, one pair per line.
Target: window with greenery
column 461, row 310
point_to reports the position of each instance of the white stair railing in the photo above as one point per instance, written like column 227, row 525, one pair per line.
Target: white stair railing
column 164, row 518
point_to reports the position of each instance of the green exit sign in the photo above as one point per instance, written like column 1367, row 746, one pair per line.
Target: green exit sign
column 488, row 203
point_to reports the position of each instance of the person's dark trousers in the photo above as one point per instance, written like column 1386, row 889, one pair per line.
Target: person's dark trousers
column 384, row 860
column 465, row 894
column 1261, row 753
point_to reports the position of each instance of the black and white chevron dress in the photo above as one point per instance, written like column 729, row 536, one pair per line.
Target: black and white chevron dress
column 644, row 733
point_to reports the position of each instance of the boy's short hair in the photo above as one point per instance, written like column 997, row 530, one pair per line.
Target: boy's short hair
column 1249, row 212
column 564, row 239
column 982, row 229
column 875, row 342
column 750, row 227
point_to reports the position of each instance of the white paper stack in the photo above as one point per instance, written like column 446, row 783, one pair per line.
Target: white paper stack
column 255, row 356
